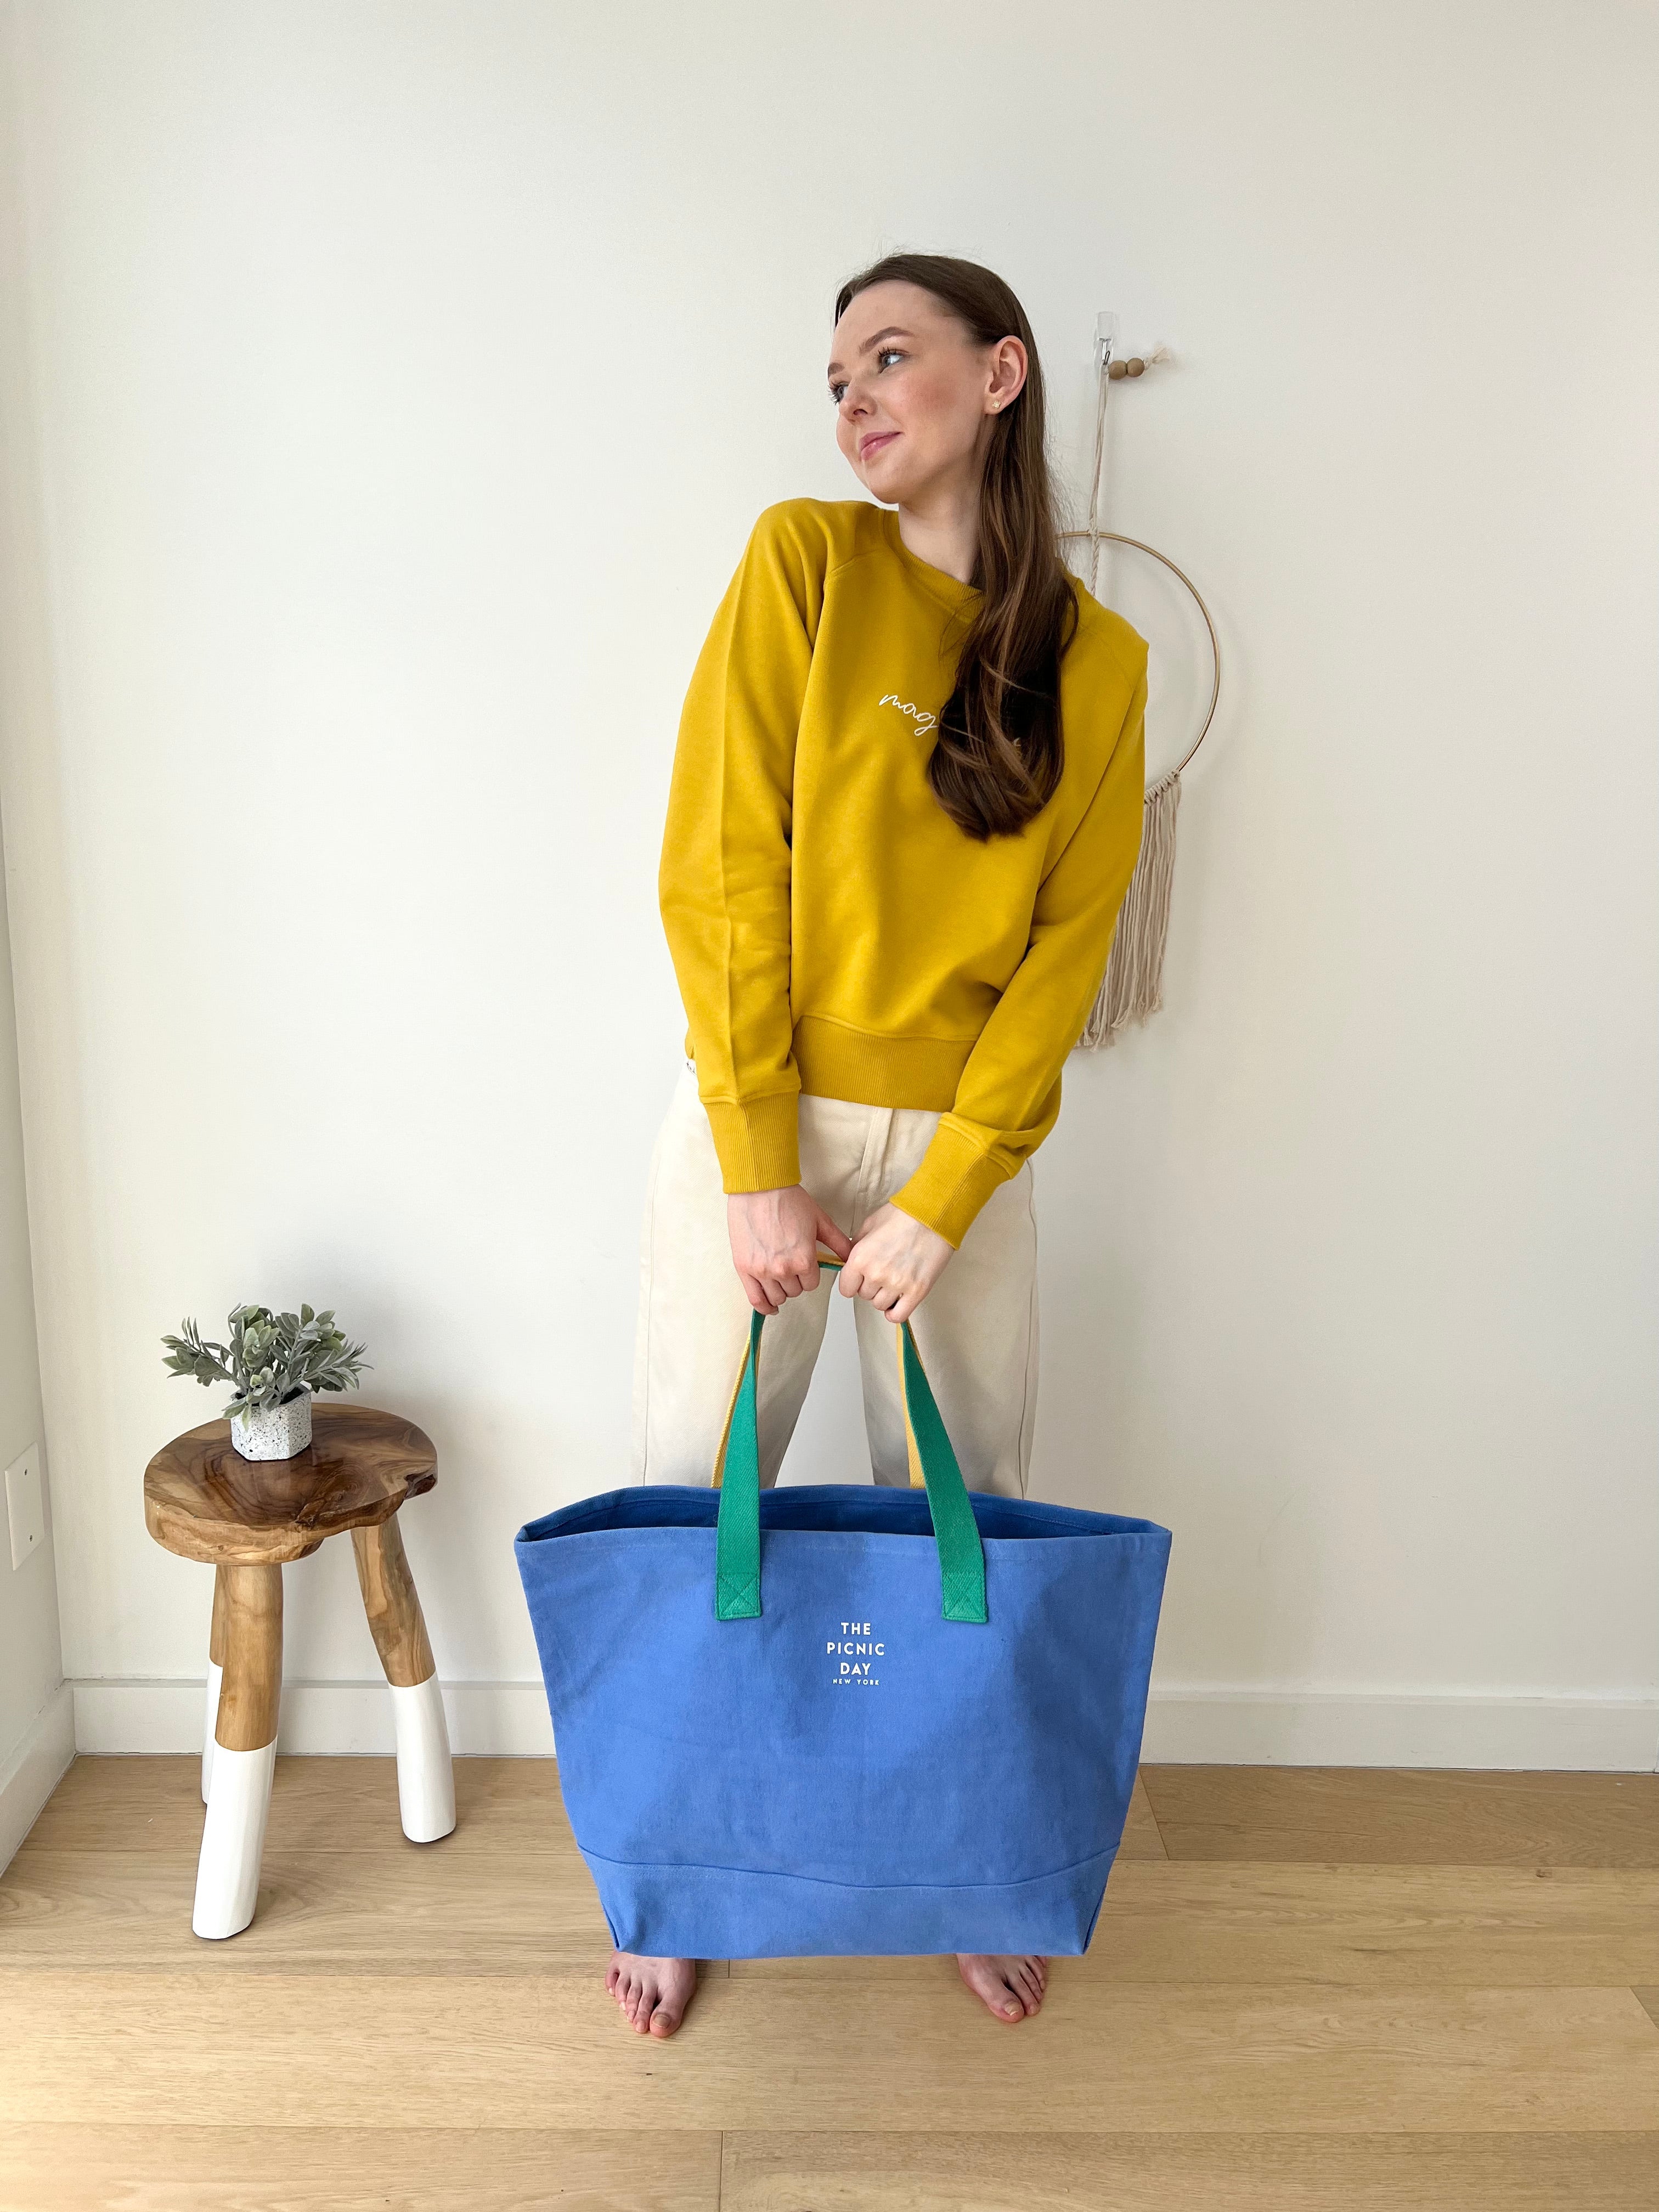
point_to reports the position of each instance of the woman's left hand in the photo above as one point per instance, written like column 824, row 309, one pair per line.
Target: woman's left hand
column 895, row 1261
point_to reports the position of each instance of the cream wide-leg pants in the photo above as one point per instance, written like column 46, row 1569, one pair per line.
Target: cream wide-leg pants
column 976, row 1330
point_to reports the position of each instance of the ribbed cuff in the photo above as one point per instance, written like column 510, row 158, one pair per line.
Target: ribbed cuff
column 758, row 1141
column 953, row 1182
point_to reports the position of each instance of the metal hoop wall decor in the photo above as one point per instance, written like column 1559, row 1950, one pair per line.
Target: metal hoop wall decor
column 1132, row 986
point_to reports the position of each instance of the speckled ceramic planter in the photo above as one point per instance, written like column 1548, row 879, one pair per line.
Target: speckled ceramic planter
column 273, row 1432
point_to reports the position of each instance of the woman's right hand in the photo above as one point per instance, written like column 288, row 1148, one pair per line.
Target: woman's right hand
column 776, row 1236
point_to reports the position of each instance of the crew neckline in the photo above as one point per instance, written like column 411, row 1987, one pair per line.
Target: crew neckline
column 939, row 582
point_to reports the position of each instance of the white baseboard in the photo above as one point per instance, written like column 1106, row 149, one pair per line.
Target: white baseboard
column 329, row 1719
column 1194, row 1725
column 1253, row 1728
column 35, row 1770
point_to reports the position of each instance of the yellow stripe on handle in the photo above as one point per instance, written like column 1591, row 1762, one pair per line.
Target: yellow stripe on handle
column 725, row 1431
column 918, row 1479
column 830, row 1266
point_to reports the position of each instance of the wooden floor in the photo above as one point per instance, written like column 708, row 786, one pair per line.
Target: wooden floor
column 1339, row 1989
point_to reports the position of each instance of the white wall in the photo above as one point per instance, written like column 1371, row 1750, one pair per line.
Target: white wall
column 401, row 380
column 36, row 1722
column 36, row 1737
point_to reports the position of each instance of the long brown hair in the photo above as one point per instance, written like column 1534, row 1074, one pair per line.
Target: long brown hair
column 1000, row 749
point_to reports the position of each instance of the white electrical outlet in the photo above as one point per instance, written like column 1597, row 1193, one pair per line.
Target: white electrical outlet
column 24, row 1507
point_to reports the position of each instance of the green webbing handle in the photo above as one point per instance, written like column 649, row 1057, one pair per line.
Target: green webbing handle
column 956, row 1532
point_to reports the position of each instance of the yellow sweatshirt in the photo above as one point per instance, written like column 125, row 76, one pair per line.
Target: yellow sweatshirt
column 833, row 931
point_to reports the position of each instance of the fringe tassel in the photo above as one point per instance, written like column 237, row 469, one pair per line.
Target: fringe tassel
column 1133, row 987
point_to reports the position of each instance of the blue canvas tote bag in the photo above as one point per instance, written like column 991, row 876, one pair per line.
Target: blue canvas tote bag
column 839, row 1717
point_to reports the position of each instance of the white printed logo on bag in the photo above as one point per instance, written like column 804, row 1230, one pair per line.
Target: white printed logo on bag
column 855, row 1656
column 919, row 715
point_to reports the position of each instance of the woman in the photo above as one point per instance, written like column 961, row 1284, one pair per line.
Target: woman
column 906, row 804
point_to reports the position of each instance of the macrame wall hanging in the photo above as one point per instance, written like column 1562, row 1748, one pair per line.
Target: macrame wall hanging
column 1132, row 987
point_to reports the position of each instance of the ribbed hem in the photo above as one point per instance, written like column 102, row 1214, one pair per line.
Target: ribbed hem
column 758, row 1141
column 953, row 1182
column 836, row 1062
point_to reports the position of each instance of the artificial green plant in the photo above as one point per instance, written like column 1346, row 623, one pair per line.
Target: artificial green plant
column 271, row 1358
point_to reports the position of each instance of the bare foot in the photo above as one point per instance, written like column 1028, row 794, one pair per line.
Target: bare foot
column 1012, row 1987
column 653, row 1993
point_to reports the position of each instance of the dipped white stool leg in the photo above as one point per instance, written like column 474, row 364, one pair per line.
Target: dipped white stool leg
column 249, row 1600
column 232, row 1841
column 426, row 1778
column 426, row 1782
column 215, row 1675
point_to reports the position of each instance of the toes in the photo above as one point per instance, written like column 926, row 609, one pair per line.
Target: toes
column 1009, row 2003
column 650, row 1993
column 996, row 1983
column 1022, row 1993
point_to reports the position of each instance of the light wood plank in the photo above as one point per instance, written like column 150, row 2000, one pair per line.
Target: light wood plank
column 1405, row 1927
column 316, row 1804
column 1186, row 2173
column 364, row 1898
column 50, row 2169
column 1649, row 2000
column 86, row 2047
column 341, row 1888
column 320, row 1800
column 203, row 2169
column 351, row 1894
column 1405, row 1816
column 1378, row 1927
column 379, row 1912
column 1142, row 1839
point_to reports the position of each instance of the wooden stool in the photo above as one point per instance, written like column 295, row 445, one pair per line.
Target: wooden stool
column 244, row 1517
